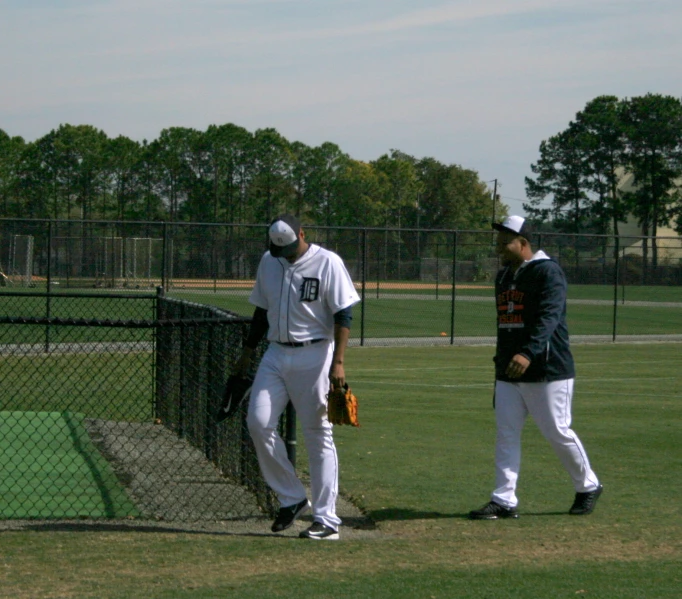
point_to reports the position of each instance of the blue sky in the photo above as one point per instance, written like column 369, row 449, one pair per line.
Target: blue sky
column 479, row 83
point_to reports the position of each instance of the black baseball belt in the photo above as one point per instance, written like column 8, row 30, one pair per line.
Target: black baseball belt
column 299, row 343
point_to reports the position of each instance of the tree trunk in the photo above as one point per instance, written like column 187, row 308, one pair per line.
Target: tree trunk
column 645, row 248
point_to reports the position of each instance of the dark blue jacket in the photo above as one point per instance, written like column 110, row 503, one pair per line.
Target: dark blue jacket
column 531, row 320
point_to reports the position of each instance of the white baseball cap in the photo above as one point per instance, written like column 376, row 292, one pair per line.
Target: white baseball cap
column 515, row 224
column 283, row 233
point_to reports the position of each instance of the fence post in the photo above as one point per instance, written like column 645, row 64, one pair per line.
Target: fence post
column 213, row 375
column 48, row 297
column 623, row 278
column 615, row 289
column 364, row 286
column 164, row 257
column 182, row 401
column 160, row 350
column 454, row 287
column 214, row 258
column 437, row 267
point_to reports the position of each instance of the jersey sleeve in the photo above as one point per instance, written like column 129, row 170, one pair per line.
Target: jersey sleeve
column 342, row 292
column 258, row 297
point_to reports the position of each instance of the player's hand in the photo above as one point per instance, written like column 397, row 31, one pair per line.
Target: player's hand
column 337, row 376
column 243, row 364
column 517, row 366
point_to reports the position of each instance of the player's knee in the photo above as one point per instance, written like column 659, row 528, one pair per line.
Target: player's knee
column 258, row 426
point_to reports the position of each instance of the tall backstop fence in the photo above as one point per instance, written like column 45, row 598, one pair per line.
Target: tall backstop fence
column 417, row 285
column 108, row 410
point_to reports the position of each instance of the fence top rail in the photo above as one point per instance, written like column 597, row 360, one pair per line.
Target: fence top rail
column 90, row 295
column 320, row 227
column 123, row 324
column 204, row 307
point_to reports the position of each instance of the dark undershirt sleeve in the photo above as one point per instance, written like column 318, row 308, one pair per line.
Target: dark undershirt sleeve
column 344, row 317
column 259, row 326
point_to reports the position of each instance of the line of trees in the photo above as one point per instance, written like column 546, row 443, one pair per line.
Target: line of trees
column 584, row 169
column 228, row 174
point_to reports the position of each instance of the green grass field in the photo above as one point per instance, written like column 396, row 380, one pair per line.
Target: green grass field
column 388, row 316
column 396, row 317
column 100, row 385
column 103, row 308
column 421, row 460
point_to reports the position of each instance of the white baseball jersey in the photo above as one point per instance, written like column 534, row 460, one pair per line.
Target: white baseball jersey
column 302, row 298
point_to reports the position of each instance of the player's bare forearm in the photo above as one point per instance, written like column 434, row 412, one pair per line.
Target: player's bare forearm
column 337, row 373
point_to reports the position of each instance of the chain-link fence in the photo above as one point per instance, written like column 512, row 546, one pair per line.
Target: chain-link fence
column 108, row 410
column 110, row 388
column 417, row 286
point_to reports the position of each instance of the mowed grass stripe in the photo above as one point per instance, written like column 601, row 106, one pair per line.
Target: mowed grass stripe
column 49, row 468
column 475, row 385
column 393, row 317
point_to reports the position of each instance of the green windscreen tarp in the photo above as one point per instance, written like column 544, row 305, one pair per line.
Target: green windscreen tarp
column 49, row 468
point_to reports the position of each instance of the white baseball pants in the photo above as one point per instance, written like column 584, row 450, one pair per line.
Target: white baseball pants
column 302, row 375
column 550, row 406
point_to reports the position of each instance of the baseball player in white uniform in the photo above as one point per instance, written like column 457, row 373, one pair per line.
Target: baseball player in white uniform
column 303, row 296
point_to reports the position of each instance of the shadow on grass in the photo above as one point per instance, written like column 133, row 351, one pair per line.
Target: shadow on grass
column 249, row 527
column 241, row 528
column 131, row 527
column 541, row 514
column 397, row 513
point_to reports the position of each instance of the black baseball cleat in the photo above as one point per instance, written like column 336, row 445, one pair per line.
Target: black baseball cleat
column 287, row 515
column 584, row 503
column 493, row 511
column 321, row 532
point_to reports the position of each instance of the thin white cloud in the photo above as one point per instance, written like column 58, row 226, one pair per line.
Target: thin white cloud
column 210, row 24
column 458, row 12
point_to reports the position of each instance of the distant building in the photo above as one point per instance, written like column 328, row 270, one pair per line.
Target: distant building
column 668, row 241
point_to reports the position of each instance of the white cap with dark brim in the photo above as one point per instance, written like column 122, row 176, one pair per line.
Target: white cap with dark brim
column 283, row 234
column 515, row 224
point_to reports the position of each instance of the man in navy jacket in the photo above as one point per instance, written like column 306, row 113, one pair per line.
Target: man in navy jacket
column 534, row 370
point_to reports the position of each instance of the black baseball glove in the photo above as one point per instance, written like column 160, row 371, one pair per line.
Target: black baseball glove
column 237, row 390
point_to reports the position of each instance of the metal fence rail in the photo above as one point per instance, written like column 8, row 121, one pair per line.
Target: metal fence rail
column 108, row 405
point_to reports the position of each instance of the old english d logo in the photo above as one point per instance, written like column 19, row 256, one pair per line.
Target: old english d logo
column 310, row 290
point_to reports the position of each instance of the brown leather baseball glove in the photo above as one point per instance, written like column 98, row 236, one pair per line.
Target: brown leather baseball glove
column 342, row 406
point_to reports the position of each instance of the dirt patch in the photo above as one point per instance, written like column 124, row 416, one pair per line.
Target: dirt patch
column 166, row 477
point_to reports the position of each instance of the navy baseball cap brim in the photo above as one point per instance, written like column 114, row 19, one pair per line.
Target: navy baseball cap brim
column 516, row 225
column 283, row 233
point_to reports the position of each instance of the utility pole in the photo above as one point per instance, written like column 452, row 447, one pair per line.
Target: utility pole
column 494, row 198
